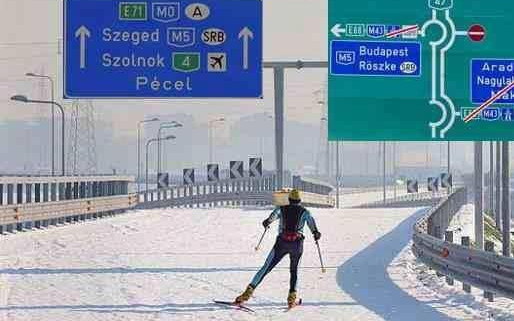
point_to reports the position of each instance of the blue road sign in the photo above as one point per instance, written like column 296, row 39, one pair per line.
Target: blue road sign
column 375, row 58
column 489, row 76
column 162, row 49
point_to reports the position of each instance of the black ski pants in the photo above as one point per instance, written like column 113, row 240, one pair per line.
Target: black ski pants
column 281, row 249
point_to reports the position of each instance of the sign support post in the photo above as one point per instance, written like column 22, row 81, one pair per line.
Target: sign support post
column 479, row 211
column 497, row 211
column 278, row 70
column 338, row 174
column 279, row 124
column 506, row 199
column 384, row 173
column 491, row 178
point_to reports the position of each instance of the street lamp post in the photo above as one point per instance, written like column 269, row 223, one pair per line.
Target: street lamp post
column 211, row 134
column 30, row 74
column 172, row 124
column 139, row 150
column 24, row 99
column 147, row 145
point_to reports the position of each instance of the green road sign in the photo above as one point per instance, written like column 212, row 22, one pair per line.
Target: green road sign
column 136, row 11
column 416, row 70
column 186, row 62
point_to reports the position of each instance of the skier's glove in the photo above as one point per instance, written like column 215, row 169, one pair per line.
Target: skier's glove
column 317, row 235
column 266, row 223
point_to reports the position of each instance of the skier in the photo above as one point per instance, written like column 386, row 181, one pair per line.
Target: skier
column 289, row 241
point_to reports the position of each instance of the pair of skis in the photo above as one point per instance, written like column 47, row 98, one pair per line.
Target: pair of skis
column 247, row 309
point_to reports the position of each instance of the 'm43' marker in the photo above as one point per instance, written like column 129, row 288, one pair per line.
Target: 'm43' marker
column 488, row 103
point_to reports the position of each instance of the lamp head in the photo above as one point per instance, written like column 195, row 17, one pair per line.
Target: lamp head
column 170, row 137
column 30, row 74
column 20, row 98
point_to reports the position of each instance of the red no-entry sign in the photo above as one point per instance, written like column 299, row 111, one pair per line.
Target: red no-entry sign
column 476, row 33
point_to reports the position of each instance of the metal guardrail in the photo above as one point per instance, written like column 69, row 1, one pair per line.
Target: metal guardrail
column 485, row 270
column 41, row 201
column 25, row 216
column 408, row 200
column 234, row 192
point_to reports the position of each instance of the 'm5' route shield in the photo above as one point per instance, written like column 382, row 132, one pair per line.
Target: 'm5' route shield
column 163, row 49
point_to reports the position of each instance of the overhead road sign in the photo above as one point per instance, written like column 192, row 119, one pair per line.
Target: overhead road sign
column 160, row 49
column 213, row 173
column 236, row 169
column 189, row 176
column 255, row 167
column 412, row 186
column 420, row 70
column 375, row 58
column 490, row 76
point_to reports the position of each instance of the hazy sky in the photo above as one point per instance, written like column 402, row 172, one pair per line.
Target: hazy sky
column 293, row 29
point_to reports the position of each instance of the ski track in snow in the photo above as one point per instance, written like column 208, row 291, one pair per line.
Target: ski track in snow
column 170, row 264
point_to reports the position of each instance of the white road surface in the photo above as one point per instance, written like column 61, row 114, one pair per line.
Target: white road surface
column 170, row 265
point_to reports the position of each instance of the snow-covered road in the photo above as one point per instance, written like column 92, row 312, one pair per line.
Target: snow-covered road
column 170, row 265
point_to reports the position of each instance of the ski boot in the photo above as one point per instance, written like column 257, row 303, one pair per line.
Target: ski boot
column 245, row 296
column 291, row 300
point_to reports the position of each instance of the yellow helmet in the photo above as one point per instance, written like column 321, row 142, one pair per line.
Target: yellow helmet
column 294, row 195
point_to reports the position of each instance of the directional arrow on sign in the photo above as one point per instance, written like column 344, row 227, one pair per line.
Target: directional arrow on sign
column 245, row 34
column 82, row 33
column 446, row 180
column 189, row 176
column 412, row 186
column 236, row 169
column 163, row 180
column 433, row 185
column 337, row 30
column 255, row 167
column 213, row 173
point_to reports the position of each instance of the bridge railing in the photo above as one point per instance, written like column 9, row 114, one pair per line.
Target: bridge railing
column 40, row 201
column 482, row 269
column 230, row 192
column 411, row 200
column 243, row 191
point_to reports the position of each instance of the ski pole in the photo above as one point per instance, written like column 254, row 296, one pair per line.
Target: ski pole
column 323, row 270
column 262, row 237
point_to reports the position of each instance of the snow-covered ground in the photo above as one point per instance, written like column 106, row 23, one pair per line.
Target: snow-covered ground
column 170, row 264
column 355, row 199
